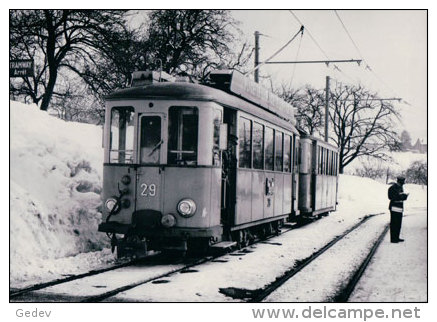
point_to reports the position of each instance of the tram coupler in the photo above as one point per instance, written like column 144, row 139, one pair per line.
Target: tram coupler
column 131, row 247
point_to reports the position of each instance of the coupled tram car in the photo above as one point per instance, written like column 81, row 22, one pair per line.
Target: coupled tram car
column 190, row 166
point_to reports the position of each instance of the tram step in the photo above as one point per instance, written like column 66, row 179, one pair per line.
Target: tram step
column 224, row 245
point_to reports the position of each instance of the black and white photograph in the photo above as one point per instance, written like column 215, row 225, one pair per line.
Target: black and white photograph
column 206, row 156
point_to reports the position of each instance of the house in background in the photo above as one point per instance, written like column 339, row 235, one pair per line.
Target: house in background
column 420, row 147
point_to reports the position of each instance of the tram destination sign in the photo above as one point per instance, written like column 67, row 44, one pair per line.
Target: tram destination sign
column 21, row 68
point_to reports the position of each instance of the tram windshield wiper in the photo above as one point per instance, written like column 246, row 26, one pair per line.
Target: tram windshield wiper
column 156, row 147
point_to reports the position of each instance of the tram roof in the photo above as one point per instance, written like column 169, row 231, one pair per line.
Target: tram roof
column 197, row 92
column 319, row 141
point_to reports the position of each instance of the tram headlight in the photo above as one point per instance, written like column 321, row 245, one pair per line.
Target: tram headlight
column 111, row 204
column 168, row 220
column 186, row 207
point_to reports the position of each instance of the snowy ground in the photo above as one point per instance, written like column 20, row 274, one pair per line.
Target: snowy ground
column 398, row 272
column 55, row 182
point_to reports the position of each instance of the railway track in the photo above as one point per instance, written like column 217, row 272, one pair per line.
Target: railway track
column 255, row 296
column 17, row 292
column 344, row 294
column 26, row 293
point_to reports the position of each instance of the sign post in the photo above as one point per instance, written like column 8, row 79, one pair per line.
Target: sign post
column 21, row 68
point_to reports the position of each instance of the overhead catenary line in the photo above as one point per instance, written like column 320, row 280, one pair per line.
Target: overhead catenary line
column 277, row 52
column 297, row 55
column 350, row 37
column 310, row 35
column 326, row 62
column 362, row 57
column 318, row 45
column 374, row 99
column 399, row 99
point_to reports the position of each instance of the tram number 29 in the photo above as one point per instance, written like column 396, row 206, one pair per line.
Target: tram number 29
column 148, row 190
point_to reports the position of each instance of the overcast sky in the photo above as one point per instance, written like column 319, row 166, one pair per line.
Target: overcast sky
column 392, row 42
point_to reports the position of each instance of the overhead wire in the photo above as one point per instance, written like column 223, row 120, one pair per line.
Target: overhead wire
column 297, row 55
column 318, row 45
column 350, row 37
column 364, row 60
column 277, row 52
column 310, row 35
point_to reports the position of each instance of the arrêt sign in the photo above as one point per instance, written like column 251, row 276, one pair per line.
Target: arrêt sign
column 21, row 68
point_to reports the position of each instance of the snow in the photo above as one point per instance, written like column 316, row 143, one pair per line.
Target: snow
column 55, row 184
column 398, row 272
column 319, row 281
column 398, row 163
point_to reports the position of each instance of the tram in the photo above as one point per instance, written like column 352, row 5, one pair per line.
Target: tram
column 192, row 166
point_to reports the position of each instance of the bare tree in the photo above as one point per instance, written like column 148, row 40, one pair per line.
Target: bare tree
column 60, row 39
column 309, row 103
column 193, row 41
column 361, row 124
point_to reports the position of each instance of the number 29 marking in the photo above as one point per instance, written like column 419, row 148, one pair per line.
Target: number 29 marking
column 148, row 190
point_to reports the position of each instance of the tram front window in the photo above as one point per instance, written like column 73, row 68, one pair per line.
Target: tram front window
column 150, row 144
column 182, row 135
column 122, row 135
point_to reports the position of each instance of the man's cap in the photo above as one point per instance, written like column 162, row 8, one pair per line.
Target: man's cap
column 401, row 179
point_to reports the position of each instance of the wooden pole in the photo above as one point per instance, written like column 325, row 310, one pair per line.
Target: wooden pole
column 256, row 73
column 327, row 109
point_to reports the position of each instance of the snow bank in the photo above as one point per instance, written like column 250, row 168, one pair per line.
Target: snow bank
column 55, row 185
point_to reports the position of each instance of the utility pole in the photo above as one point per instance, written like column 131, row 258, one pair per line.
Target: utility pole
column 326, row 62
column 256, row 73
column 326, row 108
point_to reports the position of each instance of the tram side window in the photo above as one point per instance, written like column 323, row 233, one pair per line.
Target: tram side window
column 323, row 161
column 335, row 163
column 287, row 153
column 121, row 135
column 216, row 139
column 296, row 153
column 325, row 168
column 183, row 128
column 268, row 143
column 258, row 146
column 278, row 150
column 331, row 163
column 245, row 140
column 319, row 160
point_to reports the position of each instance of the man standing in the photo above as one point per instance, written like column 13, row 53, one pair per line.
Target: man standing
column 397, row 196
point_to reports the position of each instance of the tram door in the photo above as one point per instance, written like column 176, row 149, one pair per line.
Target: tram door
column 229, row 171
column 149, row 183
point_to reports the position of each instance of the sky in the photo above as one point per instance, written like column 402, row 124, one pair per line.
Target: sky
column 393, row 43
